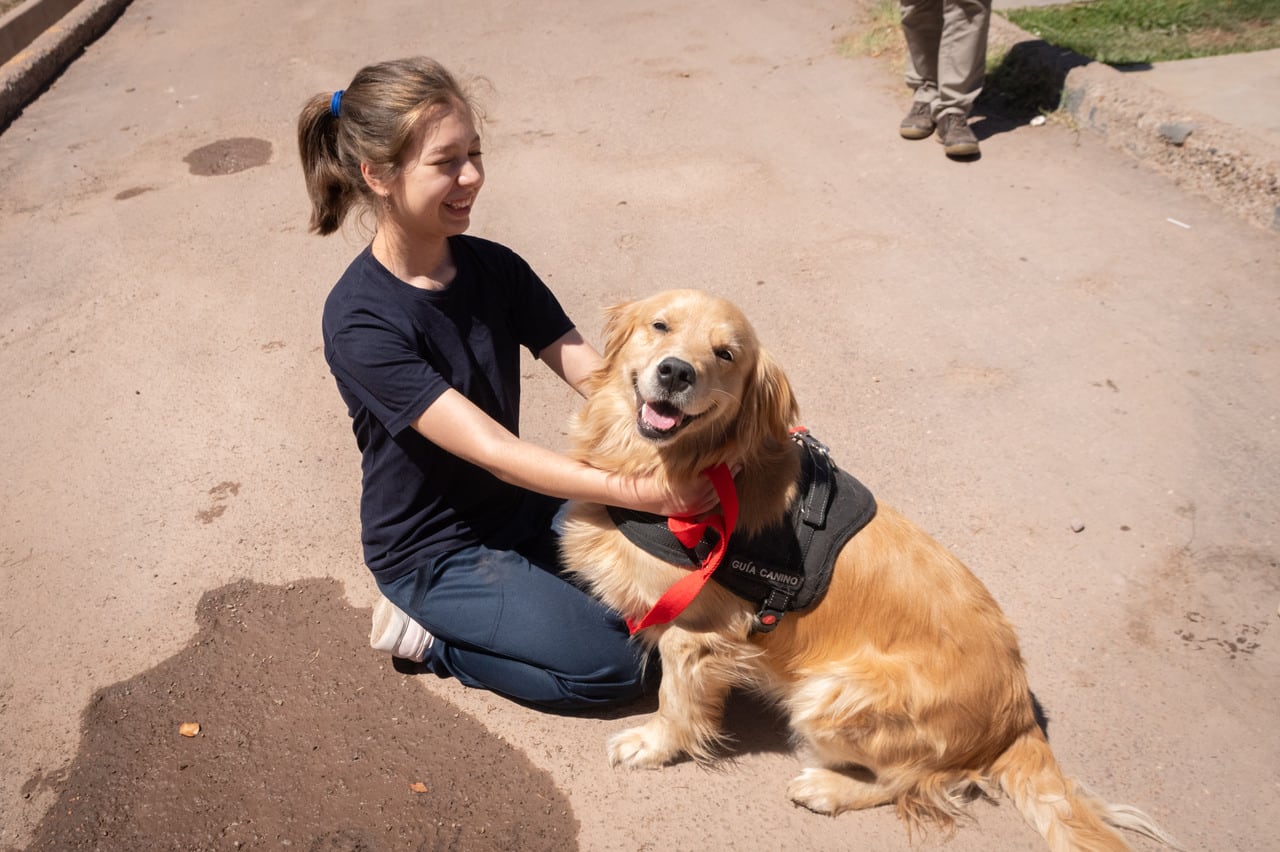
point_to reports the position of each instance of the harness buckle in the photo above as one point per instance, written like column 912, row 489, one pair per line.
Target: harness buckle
column 804, row 437
column 765, row 620
column 771, row 611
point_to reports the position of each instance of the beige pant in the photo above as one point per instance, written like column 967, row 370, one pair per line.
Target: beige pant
column 946, row 51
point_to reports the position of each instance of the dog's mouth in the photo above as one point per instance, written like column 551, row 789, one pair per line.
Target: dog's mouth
column 659, row 420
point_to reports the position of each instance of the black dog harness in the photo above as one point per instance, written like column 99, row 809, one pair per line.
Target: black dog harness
column 787, row 566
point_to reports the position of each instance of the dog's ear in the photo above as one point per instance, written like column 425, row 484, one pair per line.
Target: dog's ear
column 769, row 408
column 619, row 323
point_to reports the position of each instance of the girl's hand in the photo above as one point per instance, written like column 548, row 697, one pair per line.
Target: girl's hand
column 688, row 500
column 695, row 498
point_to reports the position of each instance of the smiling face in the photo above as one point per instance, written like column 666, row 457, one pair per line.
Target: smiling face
column 687, row 356
column 431, row 194
column 686, row 385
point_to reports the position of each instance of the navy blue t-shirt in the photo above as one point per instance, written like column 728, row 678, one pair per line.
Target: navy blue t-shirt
column 394, row 349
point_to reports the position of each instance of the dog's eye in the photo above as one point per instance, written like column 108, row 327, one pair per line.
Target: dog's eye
column 725, row 355
column 659, row 325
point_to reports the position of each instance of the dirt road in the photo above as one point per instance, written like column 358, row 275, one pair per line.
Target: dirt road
column 1003, row 349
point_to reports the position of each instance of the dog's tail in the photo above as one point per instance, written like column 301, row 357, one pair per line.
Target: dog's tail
column 1061, row 809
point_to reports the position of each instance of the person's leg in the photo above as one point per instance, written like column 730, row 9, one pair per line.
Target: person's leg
column 962, row 68
column 922, row 31
column 962, row 55
column 509, row 623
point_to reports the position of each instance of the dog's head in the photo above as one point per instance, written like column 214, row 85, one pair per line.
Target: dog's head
column 693, row 373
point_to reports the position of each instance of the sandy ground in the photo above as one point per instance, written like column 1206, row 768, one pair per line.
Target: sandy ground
column 1000, row 348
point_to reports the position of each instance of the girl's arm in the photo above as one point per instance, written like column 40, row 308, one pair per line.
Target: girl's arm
column 572, row 358
column 457, row 425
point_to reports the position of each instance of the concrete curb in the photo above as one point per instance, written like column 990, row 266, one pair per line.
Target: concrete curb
column 1229, row 166
column 33, row 68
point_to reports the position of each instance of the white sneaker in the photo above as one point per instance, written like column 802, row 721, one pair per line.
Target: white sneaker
column 396, row 632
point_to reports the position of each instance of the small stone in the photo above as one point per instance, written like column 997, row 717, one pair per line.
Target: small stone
column 1176, row 132
column 1077, row 525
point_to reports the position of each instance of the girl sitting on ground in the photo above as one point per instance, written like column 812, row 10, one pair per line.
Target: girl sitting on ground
column 423, row 333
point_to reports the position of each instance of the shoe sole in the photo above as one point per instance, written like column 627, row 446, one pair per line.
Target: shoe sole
column 391, row 629
column 386, row 620
column 959, row 149
column 915, row 132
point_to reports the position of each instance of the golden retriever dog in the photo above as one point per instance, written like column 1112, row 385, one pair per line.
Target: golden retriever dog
column 903, row 683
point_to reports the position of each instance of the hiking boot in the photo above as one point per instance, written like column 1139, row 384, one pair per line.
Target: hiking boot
column 956, row 137
column 918, row 123
column 396, row 632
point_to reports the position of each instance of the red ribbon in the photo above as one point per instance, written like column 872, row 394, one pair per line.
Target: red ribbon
column 689, row 532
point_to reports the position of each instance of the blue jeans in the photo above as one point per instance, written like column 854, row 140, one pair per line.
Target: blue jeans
column 506, row 619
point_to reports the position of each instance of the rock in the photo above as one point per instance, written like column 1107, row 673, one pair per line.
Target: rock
column 1176, row 132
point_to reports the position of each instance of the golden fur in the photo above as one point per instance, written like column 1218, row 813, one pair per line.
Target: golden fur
column 904, row 684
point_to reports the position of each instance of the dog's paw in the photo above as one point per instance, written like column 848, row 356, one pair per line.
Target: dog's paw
column 641, row 748
column 821, row 791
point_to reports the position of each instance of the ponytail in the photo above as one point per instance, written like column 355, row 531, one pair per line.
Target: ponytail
column 331, row 188
column 373, row 122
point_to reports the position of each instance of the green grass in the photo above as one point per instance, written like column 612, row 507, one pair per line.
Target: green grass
column 1121, row 32
column 878, row 31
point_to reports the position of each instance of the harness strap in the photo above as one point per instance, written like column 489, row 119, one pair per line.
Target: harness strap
column 818, row 500
column 683, row 591
column 813, row 516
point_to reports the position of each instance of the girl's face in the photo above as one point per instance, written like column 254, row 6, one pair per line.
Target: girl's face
column 440, row 178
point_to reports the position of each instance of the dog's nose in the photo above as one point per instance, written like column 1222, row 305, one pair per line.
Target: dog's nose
column 675, row 375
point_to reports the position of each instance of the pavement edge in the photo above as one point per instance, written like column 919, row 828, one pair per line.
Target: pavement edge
column 1231, row 167
column 30, row 71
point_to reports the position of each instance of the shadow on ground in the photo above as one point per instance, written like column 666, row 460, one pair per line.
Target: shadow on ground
column 307, row 740
column 1028, row 81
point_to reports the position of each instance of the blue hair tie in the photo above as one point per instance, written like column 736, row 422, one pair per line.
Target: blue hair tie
column 335, row 103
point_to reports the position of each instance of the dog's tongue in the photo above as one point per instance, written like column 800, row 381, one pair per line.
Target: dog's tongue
column 659, row 420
